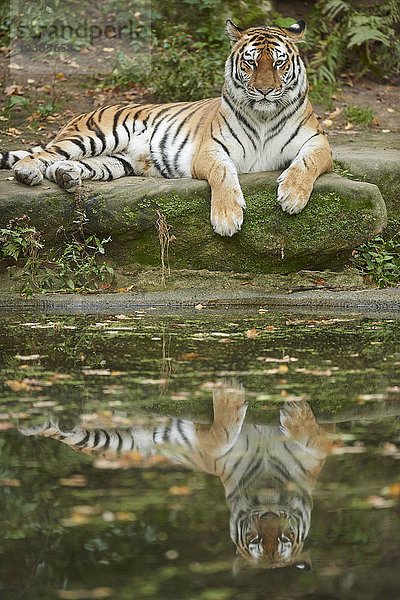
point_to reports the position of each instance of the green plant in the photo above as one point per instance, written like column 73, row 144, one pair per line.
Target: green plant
column 18, row 239
column 359, row 115
column 379, row 261
column 13, row 101
column 184, row 70
column 359, row 36
column 178, row 69
column 343, row 172
column 75, row 266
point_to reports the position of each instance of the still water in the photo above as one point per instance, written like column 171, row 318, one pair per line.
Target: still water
column 200, row 455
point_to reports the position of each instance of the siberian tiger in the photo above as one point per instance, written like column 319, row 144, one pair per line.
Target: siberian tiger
column 263, row 121
column 268, row 472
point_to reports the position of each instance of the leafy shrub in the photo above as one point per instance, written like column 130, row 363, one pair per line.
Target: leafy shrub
column 184, row 70
column 75, row 266
column 341, row 35
column 379, row 261
column 359, row 115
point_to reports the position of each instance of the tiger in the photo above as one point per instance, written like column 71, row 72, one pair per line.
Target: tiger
column 268, row 472
column 263, row 121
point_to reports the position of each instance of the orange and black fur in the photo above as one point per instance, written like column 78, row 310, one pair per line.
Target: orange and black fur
column 268, row 471
column 262, row 121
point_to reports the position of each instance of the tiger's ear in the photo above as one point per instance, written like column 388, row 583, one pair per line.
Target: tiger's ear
column 233, row 32
column 296, row 31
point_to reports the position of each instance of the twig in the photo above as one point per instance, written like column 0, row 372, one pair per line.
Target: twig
column 165, row 239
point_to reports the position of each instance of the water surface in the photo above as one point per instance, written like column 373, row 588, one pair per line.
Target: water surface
column 200, row 455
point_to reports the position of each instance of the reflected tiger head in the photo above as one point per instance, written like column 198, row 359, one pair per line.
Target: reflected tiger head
column 269, row 529
column 271, row 539
column 264, row 65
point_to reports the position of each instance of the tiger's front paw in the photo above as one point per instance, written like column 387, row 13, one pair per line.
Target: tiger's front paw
column 297, row 420
column 294, row 189
column 27, row 172
column 227, row 216
column 65, row 174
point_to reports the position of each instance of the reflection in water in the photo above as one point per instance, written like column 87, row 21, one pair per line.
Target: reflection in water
column 268, row 471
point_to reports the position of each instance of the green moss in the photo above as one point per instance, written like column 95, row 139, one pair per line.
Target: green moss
column 130, row 215
column 389, row 186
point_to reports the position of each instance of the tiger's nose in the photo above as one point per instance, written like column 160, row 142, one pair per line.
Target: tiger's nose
column 264, row 90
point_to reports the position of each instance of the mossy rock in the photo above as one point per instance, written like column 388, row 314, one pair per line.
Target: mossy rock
column 341, row 215
column 377, row 163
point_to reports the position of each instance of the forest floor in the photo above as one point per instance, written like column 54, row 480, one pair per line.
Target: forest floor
column 59, row 93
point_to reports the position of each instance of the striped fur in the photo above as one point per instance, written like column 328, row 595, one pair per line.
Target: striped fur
column 268, row 472
column 263, row 121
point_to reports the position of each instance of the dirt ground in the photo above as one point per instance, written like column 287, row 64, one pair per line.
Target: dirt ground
column 73, row 94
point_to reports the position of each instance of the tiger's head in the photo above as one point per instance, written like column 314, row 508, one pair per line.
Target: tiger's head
column 264, row 69
column 272, row 536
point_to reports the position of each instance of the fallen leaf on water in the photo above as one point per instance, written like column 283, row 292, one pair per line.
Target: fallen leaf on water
column 5, row 482
column 29, row 357
column 189, row 356
column 252, row 333
column 96, row 371
column 394, row 490
column 179, row 490
column 86, row 509
column 124, row 516
column 361, row 398
column 210, row 385
column 60, row 376
column 94, row 594
column 18, row 386
column 319, row 372
column 379, row 502
column 285, row 359
column 73, row 481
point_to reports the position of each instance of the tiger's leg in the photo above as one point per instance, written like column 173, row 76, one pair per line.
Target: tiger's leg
column 69, row 174
column 229, row 403
column 297, row 181
column 227, row 199
column 298, row 423
column 71, row 146
column 31, row 169
column 9, row 158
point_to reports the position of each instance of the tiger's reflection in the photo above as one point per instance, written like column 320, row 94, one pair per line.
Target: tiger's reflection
column 268, row 471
